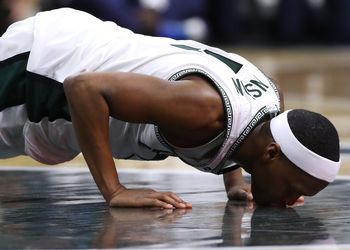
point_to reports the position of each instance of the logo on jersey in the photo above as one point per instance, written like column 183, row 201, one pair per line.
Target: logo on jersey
column 254, row 88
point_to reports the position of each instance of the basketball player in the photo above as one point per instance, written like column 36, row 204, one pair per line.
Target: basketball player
column 71, row 83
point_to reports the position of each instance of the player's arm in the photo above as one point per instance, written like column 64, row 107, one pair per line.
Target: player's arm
column 236, row 187
column 93, row 97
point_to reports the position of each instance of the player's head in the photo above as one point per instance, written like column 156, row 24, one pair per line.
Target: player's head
column 300, row 157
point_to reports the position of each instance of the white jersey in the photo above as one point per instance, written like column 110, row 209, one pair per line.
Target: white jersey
column 44, row 50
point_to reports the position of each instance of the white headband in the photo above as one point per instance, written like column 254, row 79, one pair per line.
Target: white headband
column 310, row 162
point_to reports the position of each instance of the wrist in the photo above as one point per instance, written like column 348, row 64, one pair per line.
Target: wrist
column 115, row 193
column 233, row 178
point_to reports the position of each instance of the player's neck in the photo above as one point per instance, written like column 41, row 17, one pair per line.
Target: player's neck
column 250, row 148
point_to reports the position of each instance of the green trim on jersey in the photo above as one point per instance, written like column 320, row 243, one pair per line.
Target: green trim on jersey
column 44, row 97
column 186, row 47
column 235, row 66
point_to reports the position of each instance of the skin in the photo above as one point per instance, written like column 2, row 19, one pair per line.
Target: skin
column 178, row 110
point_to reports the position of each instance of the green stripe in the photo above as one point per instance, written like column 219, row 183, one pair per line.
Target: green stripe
column 235, row 66
column 44, row 97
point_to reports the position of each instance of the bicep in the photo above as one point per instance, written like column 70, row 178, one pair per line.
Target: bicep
column 133, row 97
column 145, row 99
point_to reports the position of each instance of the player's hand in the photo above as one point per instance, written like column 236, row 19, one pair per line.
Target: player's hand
column 241, row 192
column 146, row 198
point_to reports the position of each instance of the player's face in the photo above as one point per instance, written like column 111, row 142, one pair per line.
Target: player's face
column 282, row 184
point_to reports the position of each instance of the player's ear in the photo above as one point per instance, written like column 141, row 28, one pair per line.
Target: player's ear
column 271, row 152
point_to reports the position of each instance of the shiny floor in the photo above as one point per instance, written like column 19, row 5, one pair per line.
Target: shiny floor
column 42, row 208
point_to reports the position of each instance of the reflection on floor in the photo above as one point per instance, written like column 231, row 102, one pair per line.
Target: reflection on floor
column 61, row 208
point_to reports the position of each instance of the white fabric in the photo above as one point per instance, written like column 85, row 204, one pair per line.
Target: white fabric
column 199, row 155
column 310, row 162
column 18, row 39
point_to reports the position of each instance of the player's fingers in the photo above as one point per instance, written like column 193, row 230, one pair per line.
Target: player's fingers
column 178, row 199
column 172, row 199
column 241, row 195
column 154, row 202
column 168, row 197
column 188, row 205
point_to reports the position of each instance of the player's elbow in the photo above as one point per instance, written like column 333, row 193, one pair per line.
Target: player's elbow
column 71, row 83
column 76, row 85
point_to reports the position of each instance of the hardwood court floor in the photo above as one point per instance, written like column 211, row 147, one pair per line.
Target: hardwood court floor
column 61, row 208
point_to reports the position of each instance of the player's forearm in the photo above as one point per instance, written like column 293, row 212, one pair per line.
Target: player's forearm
column 233, row 178
column 236, row 187
column 90, row 115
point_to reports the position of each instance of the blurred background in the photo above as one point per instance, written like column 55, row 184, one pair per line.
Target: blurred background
column 302, row 44
column 224, row 22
